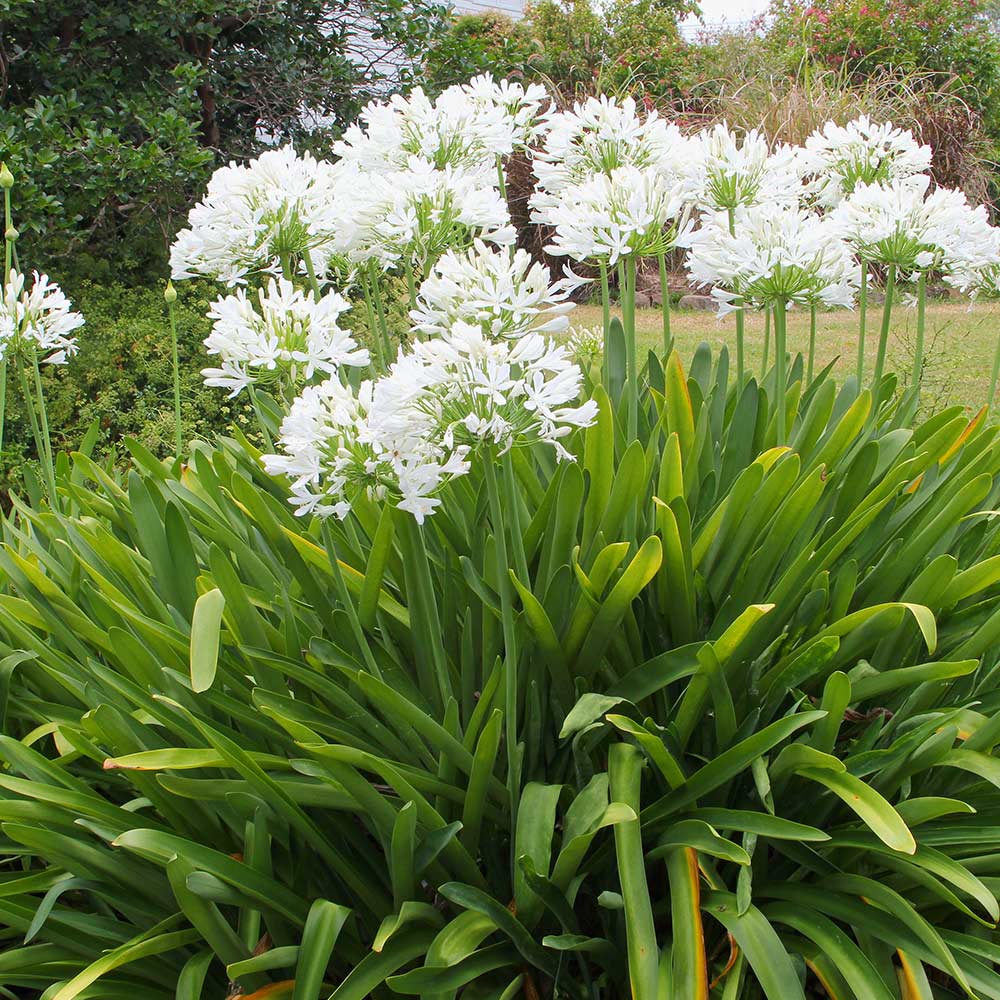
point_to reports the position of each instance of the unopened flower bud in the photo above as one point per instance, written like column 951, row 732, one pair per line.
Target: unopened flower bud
column 170, row 293
column 6, row 177
column 10, row 233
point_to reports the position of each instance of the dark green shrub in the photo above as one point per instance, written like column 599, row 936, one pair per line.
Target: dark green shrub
column 122, row 377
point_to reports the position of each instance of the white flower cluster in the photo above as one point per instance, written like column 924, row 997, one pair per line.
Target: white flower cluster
column 900, row 224
column 508, row 294
column 486, row 379
column 281, row 341
column 839, row 158
column 774, row 253
column 277, row 207
column 39, row 320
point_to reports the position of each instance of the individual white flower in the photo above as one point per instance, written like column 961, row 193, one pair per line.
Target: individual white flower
column 458, row 130
column 39, row 321
column 839, row 158
column 901, row 224
column 778, row 254
column 278, row 206
column 725, row 170
column 508, row 294
column 627, row 212
column 287, row 336
column 599, row 136
column 416, row 214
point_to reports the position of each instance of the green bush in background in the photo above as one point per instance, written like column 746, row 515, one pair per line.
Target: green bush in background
column 122, row 377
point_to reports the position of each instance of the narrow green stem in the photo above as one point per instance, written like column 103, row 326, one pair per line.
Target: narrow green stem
column 780, row 308
column 311, row 272
column 178, row 437
column 511, row 495
column 8, row 223
column 665, row 304
column 812, row 344
column 347, row 603
column 883, row 338
column 918, row 354
column 862, row 320
column 501, row 178
column 259, row 413
column 380, row 310
column 411, row 285
column 511, row 690
column 31, row 405
column 740, row 318
column 631, row 353
column 373, row 328
column 286, row 266
column 994, row 377
column 767, row 338
column 606, row 304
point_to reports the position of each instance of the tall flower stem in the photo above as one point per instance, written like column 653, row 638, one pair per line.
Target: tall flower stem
column 918, row 354
column 170, row 297
column 812, row 343
column 347, row 603
column 862, row 317
column 631, row 353
column 668, row 340
column 883, row 338
column 767, row 338
column 8, row 260
column 740, row 319
column 380, row 310
column 38, row 421
column 511, row 688
column 606, row 304
column 311, row 273
column 376, row 337
column 501, row 179
column 994, row 377
column 780, row 309
column 259, row 414
column 411, row 285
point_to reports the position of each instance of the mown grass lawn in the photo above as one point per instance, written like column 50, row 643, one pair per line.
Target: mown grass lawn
column 960, row 342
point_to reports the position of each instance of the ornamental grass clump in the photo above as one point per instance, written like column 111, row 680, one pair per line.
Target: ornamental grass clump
column 516, row 664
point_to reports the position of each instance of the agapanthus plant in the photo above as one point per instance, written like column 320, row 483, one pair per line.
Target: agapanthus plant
column 281, row 341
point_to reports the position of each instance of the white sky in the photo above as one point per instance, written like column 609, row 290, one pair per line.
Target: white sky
column 733, row 12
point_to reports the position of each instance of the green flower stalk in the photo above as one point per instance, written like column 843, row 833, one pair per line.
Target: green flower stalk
column 862, row 318
column 918, row 354
column 668, row 340
column 170, row 297
column 883, row 337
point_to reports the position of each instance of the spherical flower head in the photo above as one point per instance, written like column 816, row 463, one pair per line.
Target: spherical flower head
column 282, row 341
column 777, row 255
column 900, row 224
column 839, row 158
column 601, row 135
column 528, row 109
column 38, row 321
column 320, row 452
column 253, row 217
column 630, row 212
column 506, row 293
column 458, row 130
column 415, row 215
column 727, row 170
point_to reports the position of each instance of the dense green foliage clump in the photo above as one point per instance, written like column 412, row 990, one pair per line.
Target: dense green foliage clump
column 756, row 717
